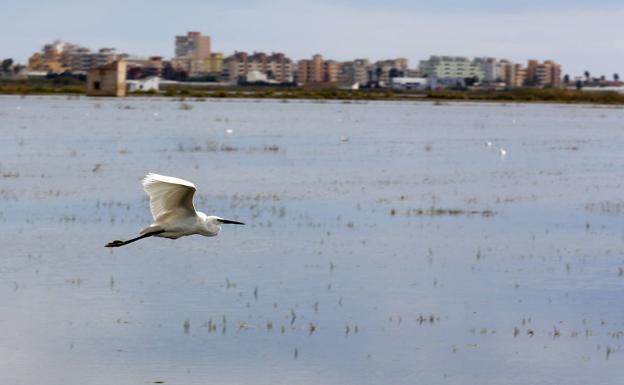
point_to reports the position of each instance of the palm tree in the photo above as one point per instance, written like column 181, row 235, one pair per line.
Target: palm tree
column 6, row 64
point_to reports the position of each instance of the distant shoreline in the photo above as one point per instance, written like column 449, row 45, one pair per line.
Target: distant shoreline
column 520, row 95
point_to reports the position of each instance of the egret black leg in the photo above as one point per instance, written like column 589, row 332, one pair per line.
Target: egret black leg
column 119, row 243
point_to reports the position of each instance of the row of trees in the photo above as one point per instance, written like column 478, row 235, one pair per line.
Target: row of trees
column 9, row 69
column 590, row 80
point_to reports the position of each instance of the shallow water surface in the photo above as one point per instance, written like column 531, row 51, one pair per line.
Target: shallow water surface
column 385, row 243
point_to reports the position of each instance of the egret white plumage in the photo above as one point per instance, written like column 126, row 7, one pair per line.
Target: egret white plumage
column 171, row 204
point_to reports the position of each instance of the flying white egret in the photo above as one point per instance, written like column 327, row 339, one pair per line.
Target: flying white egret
column 171, row 204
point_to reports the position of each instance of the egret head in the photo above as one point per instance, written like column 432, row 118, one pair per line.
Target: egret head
column 212, row 224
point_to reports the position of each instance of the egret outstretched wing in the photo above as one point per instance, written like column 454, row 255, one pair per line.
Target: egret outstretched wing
column 169, row 197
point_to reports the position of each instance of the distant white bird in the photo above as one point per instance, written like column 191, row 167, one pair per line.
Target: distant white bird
column 489, row 144
column 229, row 131
column 171, row 204
column 502, row 152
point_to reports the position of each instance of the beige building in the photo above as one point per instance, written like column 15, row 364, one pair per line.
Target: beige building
column 317, row 70
column 310, row 71
column 61, row 56
column 193, row 45
column 193, row 56
column 52, row 57
column 548, row 74
column 531, row 71
column 48, row 59
column 211, row 65
column 543, row 74
column 143, row 67
column 275, row 66
column 383, row 70
column 514, row 75
column 107, row 80
column 331, row 70
column 38, row 62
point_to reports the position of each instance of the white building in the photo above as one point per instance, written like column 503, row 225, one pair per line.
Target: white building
column 256, row 76
column 405, row 83
column 493, row 70
column 456, row 67
column 144, row 85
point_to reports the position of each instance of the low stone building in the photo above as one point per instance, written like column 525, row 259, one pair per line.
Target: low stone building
column 107, row 80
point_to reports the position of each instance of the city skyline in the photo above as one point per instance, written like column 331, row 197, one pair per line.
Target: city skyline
column 577, row 34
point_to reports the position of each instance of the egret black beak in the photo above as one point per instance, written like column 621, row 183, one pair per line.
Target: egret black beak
column 228, row 222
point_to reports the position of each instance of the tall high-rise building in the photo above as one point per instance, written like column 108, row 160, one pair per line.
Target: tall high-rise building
column 193, row 45
column 193, row 56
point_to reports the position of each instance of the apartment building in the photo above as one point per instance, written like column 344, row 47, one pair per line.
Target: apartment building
column 82, row 59
column 493, row 70
column 276, row 66
column 280, row 68
column 192, row 45
column 514, row 75
column 543, row 74
column 61, row 56
column 193, row 55
column 552, row 73
column 317, row 70
column 450, row 67
column 355, row 71
column 310, row 71
column 384, row 70
column 138, row 68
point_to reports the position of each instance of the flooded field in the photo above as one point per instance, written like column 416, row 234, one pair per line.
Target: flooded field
column 386, row 243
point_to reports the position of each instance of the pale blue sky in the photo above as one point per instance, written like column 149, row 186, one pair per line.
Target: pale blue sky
column 580, row 34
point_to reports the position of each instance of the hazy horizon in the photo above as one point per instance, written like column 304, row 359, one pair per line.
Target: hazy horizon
column 578, row 34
